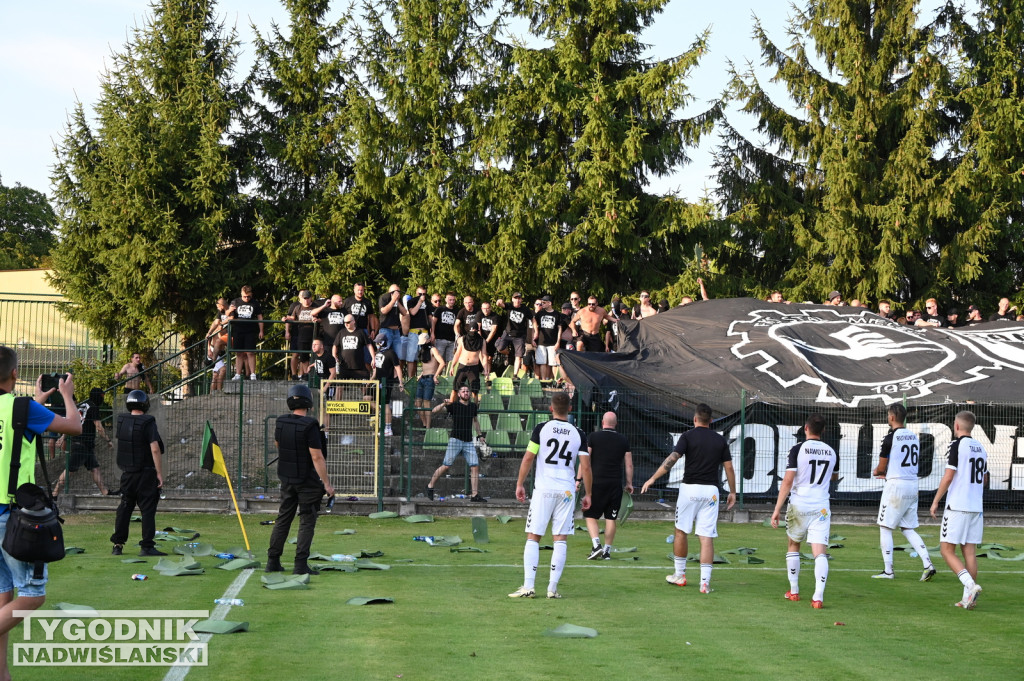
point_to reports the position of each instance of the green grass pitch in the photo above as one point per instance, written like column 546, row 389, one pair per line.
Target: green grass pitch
column 451, row 618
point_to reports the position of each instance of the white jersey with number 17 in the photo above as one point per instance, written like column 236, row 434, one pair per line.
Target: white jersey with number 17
column 557, row 444
column 814, row 462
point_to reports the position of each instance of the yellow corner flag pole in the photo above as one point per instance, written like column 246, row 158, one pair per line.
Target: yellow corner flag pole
column 213, row 461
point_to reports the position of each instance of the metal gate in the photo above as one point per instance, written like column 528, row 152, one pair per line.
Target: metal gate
column 350, row 413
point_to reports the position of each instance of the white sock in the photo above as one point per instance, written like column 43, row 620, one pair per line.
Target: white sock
column 793, row 568
column 922, row 549
column 680, row 565
column 557, row 564
column 705, row 573
column 820, row 577
column 965, row 578
column 531, row 557
column 595, row 542
column 886, row 537
column 607, row 548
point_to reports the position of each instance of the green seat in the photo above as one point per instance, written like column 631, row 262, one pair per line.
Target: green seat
column 523, row 439
column 435, row 438
column 485, row 422
column 410, row 386
column 535, row 419
column 508, row 372
column 444, row 385
column 498, row 439
column 530, row 387
column 520, row 403
column 504, row 386
column 509, row 422
column 491, row 401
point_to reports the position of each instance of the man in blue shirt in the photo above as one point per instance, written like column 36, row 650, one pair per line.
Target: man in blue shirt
column 16, row 573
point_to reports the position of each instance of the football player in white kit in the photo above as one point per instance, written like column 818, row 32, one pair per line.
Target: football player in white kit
column 811, row 467
column 962, row 521
column 897, row 465
column 556, row 446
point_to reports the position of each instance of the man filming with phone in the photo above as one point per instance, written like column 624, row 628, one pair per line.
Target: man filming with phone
column 15, row 573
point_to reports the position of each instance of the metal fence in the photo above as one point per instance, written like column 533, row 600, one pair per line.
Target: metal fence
column 45, row 339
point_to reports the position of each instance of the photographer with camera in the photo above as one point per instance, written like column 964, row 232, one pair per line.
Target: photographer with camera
column 140, row 458
column 15, row 573
column 304, row 480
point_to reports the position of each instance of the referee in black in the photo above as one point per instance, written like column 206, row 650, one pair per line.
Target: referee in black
column 609, row 455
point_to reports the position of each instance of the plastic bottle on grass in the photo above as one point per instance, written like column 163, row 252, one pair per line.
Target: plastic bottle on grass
column 229, row 601
column 139, row 578
column 224, row 556
column 343, row 558
column 422, row 538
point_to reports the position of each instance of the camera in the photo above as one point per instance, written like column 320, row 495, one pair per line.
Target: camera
column 52, row 381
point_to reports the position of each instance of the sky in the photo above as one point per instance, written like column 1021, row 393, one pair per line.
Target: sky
column 54, row 54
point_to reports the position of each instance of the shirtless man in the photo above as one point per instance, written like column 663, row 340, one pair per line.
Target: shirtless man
column 469, row 349
column 590, row 318
column 217, row 334
column 644, row 309
column 131, row 371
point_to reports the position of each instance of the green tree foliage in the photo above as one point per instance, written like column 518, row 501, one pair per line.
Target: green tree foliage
column 146, row 193
column 985, row 190
column 27, row 225
column 844, row 194
column 585, row 120
column 428, row 92
column 294, row 148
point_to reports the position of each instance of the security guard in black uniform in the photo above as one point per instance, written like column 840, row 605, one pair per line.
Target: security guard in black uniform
column 304, row 480
column 139, row 456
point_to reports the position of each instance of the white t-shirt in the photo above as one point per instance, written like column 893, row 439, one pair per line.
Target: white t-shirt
column 814, row 463
column 557, row 445
column 970, row 461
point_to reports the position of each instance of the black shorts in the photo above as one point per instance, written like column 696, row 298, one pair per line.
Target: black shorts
column 82, row 455
column 605, row 500
column 467, row 375
column 244, row 339
column 301, row 343
column 346, row 374
column 592, row 342
column 518, row 344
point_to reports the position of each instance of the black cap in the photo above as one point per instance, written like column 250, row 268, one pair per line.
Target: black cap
column 972, row 308
column 546, row 299
column 834, row 295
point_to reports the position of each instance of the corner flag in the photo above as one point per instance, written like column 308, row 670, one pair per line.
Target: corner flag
column 212, row 456
column 212, row 459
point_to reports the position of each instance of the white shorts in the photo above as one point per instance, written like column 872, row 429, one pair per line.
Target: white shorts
column 962, row 527
column 697, row 505
column 812, row 524
column 556, row 506
column 547, row 354
column 898, row 506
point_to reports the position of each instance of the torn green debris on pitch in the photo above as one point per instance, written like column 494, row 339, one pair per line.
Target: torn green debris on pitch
column 196, row 549
column 467, row 549
column 369, row 600
column 239, row 564
column 381, row 515
column 420, row 518
column 345, row 531
column 219, row 627
column 571, row 631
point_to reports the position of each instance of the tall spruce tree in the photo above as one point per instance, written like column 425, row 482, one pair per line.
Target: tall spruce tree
column 296, row 152
column 986, row 188
column 845, row 194
column 146, row 194
column 430, row 81
column 586, row 120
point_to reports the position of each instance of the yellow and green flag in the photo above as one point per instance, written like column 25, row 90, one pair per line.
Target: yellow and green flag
column 212, row 456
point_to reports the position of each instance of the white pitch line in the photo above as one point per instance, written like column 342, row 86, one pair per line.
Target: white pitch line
column 178, row 673
column 669, row 567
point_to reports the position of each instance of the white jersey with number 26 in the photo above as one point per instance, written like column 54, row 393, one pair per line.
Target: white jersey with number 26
column 557, row 444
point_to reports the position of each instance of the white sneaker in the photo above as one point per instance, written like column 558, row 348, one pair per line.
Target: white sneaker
column 388, row 432
column 928, row 573
column 523, row 592
column 678, row 580
column 252, row 377
column 884, row 575
column 972, row 597
column 554, row 594
column 236, row 377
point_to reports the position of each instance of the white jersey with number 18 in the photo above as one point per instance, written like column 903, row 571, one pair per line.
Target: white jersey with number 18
column 557, row 444
column 970, row 461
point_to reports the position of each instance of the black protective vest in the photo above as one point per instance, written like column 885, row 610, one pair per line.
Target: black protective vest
column 133, row 452
column 294, row 462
